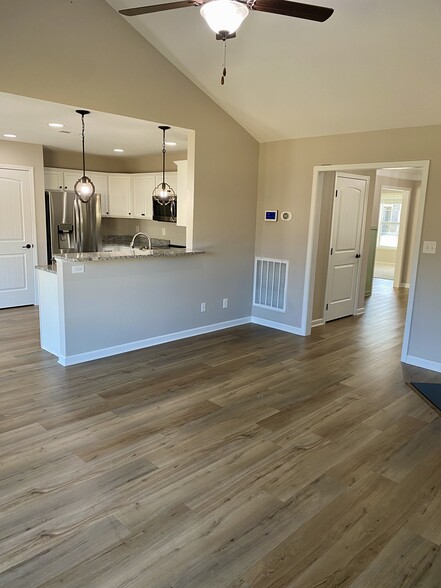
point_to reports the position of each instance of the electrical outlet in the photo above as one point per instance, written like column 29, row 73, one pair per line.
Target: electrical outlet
column 137, row 229
column 429, row 247
column 78, row 269
column 203, row 306
column 225, row 303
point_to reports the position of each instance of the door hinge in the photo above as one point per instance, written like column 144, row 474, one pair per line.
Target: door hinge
column 332, row 250
column 327, row 306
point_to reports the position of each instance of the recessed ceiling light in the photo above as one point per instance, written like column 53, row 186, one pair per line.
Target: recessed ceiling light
column 119, row 150
column 9, row 136
column 56, row 125
column 171, row 143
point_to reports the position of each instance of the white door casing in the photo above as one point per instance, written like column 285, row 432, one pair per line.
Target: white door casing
column 17, row 237
column 348, row 216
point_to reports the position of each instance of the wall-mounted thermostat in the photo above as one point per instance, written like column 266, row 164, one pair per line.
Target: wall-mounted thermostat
column 286, row 216
column 271, row 215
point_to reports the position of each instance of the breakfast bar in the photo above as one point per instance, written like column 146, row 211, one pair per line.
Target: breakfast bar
column 95, row 305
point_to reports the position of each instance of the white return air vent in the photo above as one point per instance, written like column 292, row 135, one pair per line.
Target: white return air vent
column 270, row 282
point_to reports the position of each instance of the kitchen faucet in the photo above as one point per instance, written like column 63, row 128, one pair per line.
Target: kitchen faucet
column 132, row 244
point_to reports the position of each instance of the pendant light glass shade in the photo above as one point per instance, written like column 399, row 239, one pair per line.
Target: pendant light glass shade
column 163, row 192
column 84, row 187
column 224, row 16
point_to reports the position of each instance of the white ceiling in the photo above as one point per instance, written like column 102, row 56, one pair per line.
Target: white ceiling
column 375, row 64
column 28, row 119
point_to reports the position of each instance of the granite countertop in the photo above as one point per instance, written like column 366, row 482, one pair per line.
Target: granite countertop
column 129, row 255
column 52, row 268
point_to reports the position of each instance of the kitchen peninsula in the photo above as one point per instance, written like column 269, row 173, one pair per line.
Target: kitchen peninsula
column 95, row 305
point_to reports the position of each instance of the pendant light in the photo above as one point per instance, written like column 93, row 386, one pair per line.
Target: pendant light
column 164, row 193
column 84, row 187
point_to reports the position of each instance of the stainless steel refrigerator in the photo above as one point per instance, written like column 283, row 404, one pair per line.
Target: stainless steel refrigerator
column 71, row 225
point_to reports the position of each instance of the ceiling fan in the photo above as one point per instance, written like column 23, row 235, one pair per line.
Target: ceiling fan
column 224, row 17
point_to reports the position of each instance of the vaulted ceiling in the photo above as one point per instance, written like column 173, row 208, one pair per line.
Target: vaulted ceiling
column 375, row 64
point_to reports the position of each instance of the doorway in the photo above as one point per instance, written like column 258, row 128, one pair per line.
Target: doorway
column 319, row 180
column 391, row 236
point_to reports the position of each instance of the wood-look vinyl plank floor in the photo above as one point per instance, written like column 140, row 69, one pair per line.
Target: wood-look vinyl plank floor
column 247, row 458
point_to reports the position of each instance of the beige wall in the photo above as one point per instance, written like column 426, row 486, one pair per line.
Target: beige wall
column 118, row 71
column 285, row 180
column 147, row 163
column 29, row 155
column 385, row 255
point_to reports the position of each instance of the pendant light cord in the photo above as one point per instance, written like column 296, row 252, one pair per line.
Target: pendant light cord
column 84, row 152
column 163, row 158
column 224, row 66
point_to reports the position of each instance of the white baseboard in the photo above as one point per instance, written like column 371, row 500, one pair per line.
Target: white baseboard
column 66, row 360
column 435, row 366
column 279, row 326
column 317, row 322
column 359, row 311
column 404, row 285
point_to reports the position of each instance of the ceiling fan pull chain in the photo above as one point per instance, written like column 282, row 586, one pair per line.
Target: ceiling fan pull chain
column 224, row 70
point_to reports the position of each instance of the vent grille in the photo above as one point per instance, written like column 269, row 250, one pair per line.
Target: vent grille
column 270, row 282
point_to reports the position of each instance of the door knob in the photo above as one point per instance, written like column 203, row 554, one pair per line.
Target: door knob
column 27, row 246
column 358, row 256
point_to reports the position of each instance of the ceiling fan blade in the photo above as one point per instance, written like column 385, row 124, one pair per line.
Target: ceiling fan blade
column 160, row 7
column 296, row 9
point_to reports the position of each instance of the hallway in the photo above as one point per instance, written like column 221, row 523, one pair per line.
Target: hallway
column 243, row 458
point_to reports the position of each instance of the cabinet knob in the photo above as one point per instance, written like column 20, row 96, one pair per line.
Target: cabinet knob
column 142, row 214
column 130, row 213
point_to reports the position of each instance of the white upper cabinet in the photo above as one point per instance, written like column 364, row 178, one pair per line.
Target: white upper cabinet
column 142, row 188
column 53, row 179
column 100, row 182
column 125, row 195
column 119, row 195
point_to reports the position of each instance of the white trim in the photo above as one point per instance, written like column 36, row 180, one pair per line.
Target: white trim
column 279, row 326
column 359, row 311
column 435, row 366
column 317, row 322
column 30, row 170
column 66, row 360
column 404, row 285
column 314, row 218
column 415, row 256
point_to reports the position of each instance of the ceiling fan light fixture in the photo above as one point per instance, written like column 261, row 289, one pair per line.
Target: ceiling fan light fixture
column 224, row 16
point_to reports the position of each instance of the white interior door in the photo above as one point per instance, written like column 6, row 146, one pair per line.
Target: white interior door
column 345, row 248
column 17, row 287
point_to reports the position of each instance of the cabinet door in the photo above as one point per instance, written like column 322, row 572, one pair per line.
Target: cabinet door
column 53, row 179
column 70, row 178
column 119, row 195
column 142, row 188
column 100, row 183
column 181, row 192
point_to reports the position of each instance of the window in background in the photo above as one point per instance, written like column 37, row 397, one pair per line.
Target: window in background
column 389, row 226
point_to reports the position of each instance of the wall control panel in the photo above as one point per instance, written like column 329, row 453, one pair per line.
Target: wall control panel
column 271, row 215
